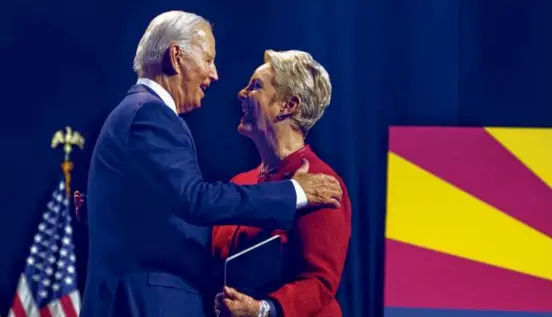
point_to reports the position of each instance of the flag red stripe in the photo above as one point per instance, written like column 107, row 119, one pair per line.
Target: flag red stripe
column 17, row 307
column 68, row 306
column 45, row 312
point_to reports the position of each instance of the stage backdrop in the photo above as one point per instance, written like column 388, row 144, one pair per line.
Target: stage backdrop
column 469, row 222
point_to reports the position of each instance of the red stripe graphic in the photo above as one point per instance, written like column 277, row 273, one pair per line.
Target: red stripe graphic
column 419, row 312
column 422, row 278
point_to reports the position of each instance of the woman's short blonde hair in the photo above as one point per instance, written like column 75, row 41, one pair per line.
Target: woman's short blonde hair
column 296, row 73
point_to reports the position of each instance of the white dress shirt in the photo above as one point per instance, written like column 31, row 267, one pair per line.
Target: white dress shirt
column 169, row 101
column 160, row 91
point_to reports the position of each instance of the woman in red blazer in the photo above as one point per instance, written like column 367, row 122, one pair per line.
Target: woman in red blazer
column 285, row 97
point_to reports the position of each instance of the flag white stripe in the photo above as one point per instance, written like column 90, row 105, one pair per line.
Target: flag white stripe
column 75, row 298
column 27, row 301
column 56, row 310
column 27, row 298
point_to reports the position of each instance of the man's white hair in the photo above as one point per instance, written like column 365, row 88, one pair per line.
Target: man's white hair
column 174, row 26
column 296, row 73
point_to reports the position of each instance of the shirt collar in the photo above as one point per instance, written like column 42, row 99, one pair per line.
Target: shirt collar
column 160, row 91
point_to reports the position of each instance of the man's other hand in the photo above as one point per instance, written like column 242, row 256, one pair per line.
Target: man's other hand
column 78, row 200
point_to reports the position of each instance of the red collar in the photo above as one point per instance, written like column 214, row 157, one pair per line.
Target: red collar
column 287, row 167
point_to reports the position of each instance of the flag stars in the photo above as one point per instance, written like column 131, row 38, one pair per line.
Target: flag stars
column 43, row 294
column 63, row 252
column 71, row 269
column 46, row 282
column 68, row 280
column 56, row 287
column 37, row 238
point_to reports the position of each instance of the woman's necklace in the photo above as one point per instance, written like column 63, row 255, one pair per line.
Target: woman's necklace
column 265, row 171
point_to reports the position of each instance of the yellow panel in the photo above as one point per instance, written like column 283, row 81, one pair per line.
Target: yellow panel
column 531, row 146
column 425, row 210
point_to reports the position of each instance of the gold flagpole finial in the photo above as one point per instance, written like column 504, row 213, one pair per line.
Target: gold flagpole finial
column 68, row 139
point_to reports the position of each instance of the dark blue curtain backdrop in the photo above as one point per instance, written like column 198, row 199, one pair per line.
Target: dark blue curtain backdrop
column 392, row 62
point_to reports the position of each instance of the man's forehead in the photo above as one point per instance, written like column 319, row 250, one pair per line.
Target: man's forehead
column 206, row 40
column 202, row 33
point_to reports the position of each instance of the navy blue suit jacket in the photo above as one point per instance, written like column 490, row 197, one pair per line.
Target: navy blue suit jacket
column 149, row 210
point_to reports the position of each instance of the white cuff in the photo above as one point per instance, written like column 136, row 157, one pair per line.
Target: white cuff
column 300, row 193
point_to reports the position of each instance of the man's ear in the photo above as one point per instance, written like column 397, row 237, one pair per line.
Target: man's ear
column 172, row 60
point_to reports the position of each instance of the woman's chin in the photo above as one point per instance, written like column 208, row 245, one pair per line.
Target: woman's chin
column 245, row 128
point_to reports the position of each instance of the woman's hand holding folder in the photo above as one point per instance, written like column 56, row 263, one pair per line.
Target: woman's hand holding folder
column 235, row 304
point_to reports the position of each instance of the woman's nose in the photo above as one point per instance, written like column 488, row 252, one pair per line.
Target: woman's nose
column 242, row 95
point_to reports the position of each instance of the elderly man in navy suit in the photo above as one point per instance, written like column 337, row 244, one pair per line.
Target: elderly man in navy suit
column 148, row 205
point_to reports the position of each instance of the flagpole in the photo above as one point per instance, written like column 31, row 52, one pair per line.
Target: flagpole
column 67, row 167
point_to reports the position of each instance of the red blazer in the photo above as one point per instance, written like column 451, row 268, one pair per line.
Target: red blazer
column 317, row 242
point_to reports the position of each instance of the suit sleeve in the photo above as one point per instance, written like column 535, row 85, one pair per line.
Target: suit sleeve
column 160, row 151
column 319, row 242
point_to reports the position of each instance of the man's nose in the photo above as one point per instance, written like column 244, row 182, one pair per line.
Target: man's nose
column 214, row 74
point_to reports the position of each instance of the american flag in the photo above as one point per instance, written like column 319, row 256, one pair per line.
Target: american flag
column 48, row 286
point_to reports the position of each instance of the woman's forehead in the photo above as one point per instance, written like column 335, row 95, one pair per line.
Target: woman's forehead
column 263, row 72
